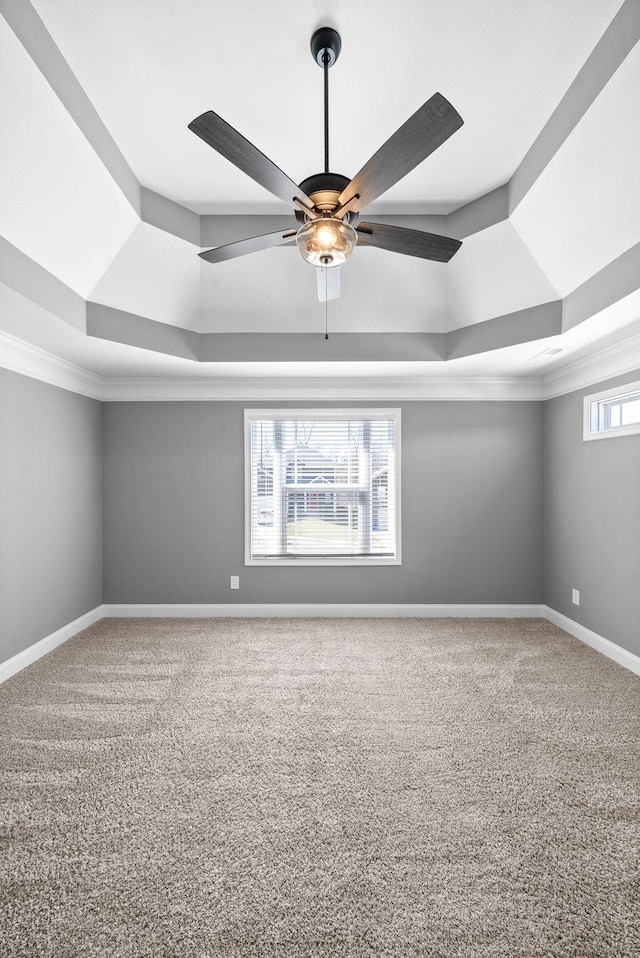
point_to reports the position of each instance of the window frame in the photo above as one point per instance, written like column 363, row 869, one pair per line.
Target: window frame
column 319, row 413
column 590, row 415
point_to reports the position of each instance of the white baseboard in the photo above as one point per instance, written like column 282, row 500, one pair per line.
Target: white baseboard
column 317, row 610
column 50, row 642
column 597, row 642
column 322, row 610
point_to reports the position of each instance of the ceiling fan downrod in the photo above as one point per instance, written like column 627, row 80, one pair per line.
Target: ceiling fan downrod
column 325, row 47
column 325, row 70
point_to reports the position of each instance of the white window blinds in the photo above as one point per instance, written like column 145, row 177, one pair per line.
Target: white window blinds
column 322, row 486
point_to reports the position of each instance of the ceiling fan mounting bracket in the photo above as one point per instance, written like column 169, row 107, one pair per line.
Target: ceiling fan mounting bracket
column 327, row 41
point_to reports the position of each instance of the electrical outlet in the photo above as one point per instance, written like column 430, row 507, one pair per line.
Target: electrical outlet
column 234, row 582
column 575, row 597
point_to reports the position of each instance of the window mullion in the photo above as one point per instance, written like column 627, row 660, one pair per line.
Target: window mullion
column 279, row 504
column 364, row 498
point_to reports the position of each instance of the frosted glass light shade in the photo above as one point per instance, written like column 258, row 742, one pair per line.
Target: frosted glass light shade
column 326, row 242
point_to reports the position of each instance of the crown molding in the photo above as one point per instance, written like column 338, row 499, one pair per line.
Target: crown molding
column 21, row 357
column 372, row 388
column 616, row 360
column 28, row 360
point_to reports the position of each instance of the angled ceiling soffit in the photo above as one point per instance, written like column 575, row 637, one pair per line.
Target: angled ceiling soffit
column 616, row 43
column 100, row 321
column 33, row 35
column 34, row 282
column 527, row 325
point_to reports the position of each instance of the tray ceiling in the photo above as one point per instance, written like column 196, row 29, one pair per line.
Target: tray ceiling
column 106, row 197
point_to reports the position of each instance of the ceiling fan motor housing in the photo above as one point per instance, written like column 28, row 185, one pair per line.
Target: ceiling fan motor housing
column 324, row 189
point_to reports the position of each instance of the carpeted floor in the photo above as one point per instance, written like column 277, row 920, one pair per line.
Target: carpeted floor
column 191, row 788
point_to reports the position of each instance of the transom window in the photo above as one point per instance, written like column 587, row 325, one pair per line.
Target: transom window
column 322, row 486
column 614, row 412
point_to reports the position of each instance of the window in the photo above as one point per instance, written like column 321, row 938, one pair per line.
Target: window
column 322, row 486
column 614, row 412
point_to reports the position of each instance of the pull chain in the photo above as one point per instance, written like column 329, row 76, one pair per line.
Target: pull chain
column 326, row 303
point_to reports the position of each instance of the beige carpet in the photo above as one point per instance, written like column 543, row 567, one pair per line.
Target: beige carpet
column 320, row 787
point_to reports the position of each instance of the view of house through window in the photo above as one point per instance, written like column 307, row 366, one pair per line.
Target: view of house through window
column 322, row 485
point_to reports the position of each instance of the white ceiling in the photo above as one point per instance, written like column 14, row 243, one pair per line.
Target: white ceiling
column 149, row 68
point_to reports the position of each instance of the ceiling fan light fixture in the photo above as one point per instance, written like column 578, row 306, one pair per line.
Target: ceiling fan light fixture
column 326, row 242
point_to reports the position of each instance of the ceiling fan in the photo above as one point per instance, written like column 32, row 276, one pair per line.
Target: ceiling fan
column 327, row 205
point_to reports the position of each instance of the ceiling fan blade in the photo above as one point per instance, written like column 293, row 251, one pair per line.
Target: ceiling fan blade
column 252, row 245
column 424, row 132
column 238, row 150
column 410, row 242
column 328, row 283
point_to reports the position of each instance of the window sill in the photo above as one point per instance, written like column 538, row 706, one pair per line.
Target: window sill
column 351, row 561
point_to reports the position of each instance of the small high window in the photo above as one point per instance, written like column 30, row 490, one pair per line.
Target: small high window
column 614, row 412
column 322, row 486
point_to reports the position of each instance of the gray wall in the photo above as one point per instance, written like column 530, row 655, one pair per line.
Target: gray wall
column 172, row 494
column 592, row 522
column 472, row 493
column 50, row 509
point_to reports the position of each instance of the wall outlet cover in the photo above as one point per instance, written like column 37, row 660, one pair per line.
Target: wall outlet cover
column 234, row 582
column 575, row 597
